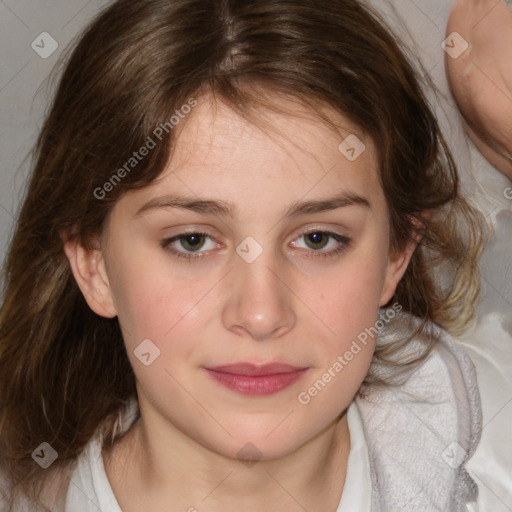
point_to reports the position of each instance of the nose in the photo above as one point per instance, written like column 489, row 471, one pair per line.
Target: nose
column 260, row 303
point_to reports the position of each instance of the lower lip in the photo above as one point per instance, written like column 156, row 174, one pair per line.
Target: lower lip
column 257, row 384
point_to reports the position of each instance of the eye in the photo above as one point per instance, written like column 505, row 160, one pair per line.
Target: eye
column 323, row 243
column 185, row 245
column 192, row 245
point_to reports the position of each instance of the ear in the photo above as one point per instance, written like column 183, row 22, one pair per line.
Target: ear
column 88, row 267
column 397, row 265
column 398, row 261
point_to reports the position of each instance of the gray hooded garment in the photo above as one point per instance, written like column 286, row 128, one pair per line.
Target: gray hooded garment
column 421, row 433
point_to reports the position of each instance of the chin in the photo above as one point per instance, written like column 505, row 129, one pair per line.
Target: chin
column 255, row 444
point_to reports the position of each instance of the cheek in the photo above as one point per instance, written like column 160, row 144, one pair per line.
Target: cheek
column 163, row 318
column 351, row 300
column 152, row 298
column 350, row 308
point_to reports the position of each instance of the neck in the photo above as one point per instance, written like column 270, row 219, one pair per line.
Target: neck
column 148, row 472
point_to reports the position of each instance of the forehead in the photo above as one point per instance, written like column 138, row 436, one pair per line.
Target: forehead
column 220, row 154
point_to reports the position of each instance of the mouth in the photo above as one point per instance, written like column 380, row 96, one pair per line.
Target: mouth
column 253, row 379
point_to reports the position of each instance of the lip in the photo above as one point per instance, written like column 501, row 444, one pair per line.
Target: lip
column 255, row 379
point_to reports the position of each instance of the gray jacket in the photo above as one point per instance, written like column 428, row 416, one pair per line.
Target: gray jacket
column 421, row 433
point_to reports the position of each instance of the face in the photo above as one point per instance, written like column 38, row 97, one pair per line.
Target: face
column 251, row 249
column 481, row 77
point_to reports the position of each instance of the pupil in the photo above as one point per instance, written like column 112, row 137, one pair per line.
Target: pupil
column 316, row 238
column 193, row 240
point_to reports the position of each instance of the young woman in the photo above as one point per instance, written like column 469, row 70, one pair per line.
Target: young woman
column 234, row 273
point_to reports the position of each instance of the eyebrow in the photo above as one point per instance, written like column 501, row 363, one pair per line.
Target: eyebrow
column 227, row 209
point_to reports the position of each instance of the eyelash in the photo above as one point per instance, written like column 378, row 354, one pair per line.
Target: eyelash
column 343, row 244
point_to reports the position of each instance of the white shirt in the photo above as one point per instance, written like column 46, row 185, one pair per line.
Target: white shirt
column 90, row 490
column 358, row 489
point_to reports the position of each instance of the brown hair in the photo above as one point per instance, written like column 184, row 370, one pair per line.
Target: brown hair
column 64, row 371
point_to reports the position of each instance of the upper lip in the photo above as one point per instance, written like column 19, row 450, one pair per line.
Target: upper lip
column 256, row 369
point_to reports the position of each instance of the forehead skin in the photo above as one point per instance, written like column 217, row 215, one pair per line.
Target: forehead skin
column 219, row 151
column 481, row 78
